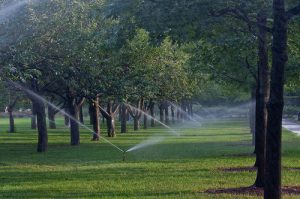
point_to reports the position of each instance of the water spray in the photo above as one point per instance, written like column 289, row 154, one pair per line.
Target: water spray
column 63, row 112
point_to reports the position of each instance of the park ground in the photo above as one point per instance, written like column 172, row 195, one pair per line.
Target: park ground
column 179, row 167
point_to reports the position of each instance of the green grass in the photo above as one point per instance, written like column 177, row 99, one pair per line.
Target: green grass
column 179, row 167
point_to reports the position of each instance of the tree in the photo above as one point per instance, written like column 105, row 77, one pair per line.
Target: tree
column 276, row 101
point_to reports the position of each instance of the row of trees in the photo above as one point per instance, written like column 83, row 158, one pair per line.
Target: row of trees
column 147, row 52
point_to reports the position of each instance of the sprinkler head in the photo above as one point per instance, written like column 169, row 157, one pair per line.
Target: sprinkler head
column 124, row 157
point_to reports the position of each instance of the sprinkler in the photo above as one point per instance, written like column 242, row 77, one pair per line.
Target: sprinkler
column 124, row 157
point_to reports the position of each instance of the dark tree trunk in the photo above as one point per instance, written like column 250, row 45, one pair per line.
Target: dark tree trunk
column 94, row 116
column 51, row 117
column 252, row 115
column 81, row 118
column 11, row 122
column 136, row 124
column 183, row 110
column 173, row 114
column 190, row 108
column 136, row 113
column 10, row 109
column 67, row 119
column 123, row 119
column 145, row 121
column 261, row 102
column 276, row 102
column 110, row 120
column 74, row 126
column 38, row 108
column 167, row 119
column 33, row 118
column 178, row 114
column 151, row 109
column 111, row 128
column 42, row 127
column 161, row 113
column 74, row 105
column 91, row 108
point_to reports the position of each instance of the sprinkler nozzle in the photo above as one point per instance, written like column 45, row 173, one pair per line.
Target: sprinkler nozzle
column 124, row 157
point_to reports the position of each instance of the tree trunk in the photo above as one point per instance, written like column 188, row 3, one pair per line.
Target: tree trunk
column 167, row 119
column 183, row 110
column 151, row 108
column 111, row 128
column 91, row 108
column 51, row 117
column 123, row 119
column 94, row 116
column 41, row 126
column 173, row 114
column 178, row 114
column 74, row 126
column 276, row 103
column 11, row 122
column 33, row 118
column 252, row 116
column 145, row 121
column 110, row 120
column 161, row 113
column 262, row 99
column 67, row 119
column 136, row 123
column 81, row 119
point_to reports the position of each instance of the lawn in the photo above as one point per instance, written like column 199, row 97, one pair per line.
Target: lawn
column 178, row 167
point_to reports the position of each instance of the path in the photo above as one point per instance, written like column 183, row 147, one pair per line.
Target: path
column 291, row 126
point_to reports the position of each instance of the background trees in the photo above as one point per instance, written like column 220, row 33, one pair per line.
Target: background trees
column 141, row 53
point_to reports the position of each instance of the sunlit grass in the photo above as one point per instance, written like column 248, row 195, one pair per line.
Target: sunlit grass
column 178, row 167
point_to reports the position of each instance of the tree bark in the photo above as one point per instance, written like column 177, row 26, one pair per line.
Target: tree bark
column 151, row 109
column 262, row 99
column 81, row 118
column 74, row 106
column 252, row 116
column 42, row 127
column 161, row 113
column 94, row 116
column 91, row 108
column 173, row 114
column 74, row 126
column 167, row 119
column 136, row 113
column 110, row 120
column 123, row 119
column 145, row 121
column 67, row 119
column 39, row 109
column 276, row 102
column 51, row 117
column 33, row 118
column 11, row 122
column 136, row 123
column 10, row 109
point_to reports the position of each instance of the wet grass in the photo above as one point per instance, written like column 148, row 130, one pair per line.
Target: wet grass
column 178, row 167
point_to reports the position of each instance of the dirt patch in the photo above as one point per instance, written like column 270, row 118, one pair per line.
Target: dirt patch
column 238, row 191
column 252, row 190
column 292, row 168
column 239, row 144
column 238, row 169
column 240, row 155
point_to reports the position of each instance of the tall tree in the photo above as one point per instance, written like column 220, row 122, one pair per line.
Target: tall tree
column 276, row 101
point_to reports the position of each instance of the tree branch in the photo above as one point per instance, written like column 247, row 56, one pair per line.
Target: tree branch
column 293, row 12
column 249, row 67
column 240, row 14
